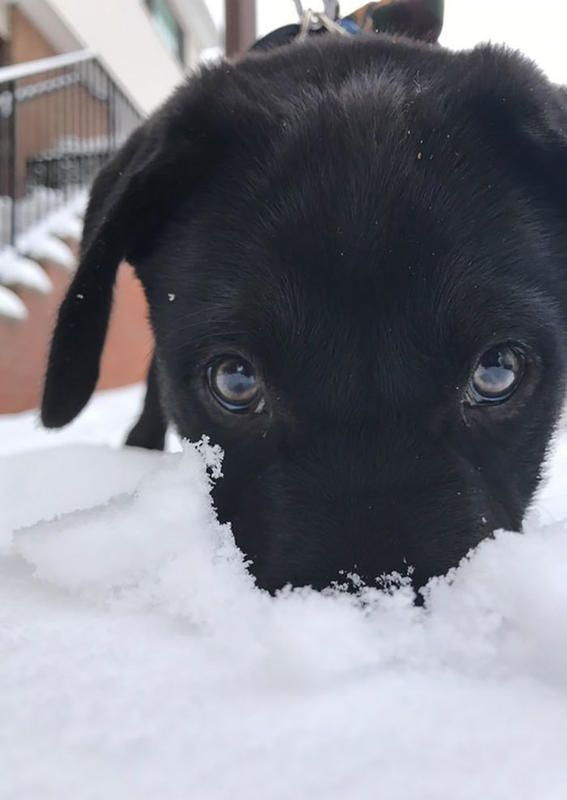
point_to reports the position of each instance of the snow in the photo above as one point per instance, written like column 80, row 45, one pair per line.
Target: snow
column 16, row 270
column 11, row 306
column 139, row 660
column 43, row 239
column 32, row 207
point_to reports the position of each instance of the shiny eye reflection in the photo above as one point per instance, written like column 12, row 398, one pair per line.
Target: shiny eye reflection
column 497, row 375
column 235, row 386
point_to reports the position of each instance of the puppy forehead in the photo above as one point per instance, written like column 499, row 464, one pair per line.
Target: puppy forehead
column 375, row 245
column 349, row 225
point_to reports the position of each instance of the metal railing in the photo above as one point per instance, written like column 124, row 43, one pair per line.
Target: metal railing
column 61, row 118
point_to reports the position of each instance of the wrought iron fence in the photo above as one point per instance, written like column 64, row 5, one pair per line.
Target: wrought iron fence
column 61, row 118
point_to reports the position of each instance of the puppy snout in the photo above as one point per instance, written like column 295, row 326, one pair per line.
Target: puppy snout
column 331, row 517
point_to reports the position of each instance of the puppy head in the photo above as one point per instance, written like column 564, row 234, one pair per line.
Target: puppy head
column 353, row 254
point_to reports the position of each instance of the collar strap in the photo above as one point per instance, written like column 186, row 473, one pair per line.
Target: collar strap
column 314, row 21
column 418, row 19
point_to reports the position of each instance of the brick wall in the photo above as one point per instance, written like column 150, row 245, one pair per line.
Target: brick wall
column 26, row 42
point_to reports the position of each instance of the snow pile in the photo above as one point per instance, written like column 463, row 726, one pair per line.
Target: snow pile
column 37, row 203
column 11, row 306
column 21, row 272
column 43, row 239
column 139, row 660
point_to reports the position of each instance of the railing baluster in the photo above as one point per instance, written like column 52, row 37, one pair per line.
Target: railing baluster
column 12, row 161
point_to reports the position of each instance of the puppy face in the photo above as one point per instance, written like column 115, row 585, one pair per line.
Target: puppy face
column 353, row 256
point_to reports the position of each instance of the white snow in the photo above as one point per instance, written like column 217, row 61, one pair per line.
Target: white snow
column 43, row 239
column 11, row 306
column 16, row 270
column 33, row 206
column 139, row 660
column 40, row 244
column 47, row 213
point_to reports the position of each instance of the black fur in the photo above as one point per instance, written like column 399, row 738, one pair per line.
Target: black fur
column 361, row 219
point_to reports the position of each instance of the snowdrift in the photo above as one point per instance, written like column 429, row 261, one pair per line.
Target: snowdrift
column 138, row 659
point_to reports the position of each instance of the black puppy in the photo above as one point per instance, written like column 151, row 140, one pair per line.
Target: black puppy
column 354, row 253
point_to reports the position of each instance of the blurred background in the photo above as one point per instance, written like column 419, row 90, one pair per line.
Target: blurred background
column 76, row 77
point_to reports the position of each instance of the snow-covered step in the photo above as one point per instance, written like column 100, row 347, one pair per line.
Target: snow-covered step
column 21, row 272
column 11, row 307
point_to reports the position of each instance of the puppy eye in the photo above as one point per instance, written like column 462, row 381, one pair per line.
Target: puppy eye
column 235, row 386
column 498, row 374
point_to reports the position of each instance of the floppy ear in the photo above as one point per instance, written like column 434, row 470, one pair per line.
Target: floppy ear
column 116, row 204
